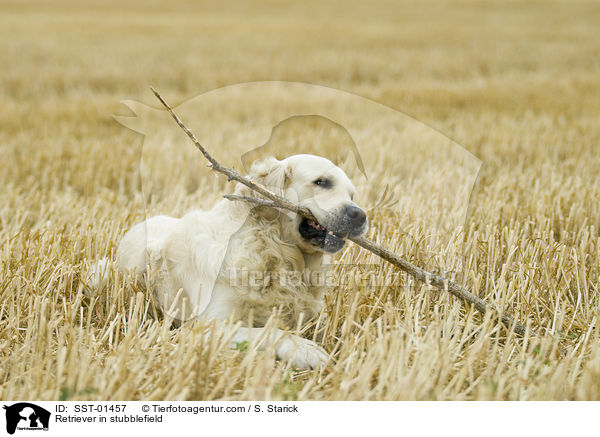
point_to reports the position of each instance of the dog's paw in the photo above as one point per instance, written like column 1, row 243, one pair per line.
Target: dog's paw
column 301, row 352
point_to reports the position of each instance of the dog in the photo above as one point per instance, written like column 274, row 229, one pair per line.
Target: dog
column 191, row 259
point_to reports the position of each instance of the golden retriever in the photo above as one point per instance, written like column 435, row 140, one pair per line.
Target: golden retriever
column 197, row 259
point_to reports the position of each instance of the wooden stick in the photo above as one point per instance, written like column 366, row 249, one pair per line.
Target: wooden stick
column 276, row 201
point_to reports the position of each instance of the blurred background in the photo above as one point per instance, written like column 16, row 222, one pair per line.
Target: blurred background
column 513, row 82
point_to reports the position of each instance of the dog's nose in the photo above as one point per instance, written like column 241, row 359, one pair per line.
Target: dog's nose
column 356, row 215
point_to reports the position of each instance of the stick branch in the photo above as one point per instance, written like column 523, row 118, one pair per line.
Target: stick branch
column 276, row 201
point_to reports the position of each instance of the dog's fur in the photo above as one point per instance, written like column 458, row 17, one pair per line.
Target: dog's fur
column 202, row 258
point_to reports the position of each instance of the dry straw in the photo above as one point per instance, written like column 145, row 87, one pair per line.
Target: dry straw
column 517, row 94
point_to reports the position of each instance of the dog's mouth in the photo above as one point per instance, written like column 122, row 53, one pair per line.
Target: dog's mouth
column 320, row 237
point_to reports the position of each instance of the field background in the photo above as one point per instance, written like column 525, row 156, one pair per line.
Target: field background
column 516, row 83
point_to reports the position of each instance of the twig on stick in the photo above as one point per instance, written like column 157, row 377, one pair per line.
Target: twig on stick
column 259, row 202
column 276, row 201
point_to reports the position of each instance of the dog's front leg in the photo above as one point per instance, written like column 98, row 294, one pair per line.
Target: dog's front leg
column 300, row 352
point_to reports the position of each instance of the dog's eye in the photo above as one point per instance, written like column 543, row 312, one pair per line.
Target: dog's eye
column 323, row 182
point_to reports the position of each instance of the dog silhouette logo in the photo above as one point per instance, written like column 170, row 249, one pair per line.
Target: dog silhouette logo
column 26, row 416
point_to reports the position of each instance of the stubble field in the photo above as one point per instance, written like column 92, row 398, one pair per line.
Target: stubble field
column 515, row 83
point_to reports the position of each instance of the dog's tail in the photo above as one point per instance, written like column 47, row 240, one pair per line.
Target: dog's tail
column 98, row 274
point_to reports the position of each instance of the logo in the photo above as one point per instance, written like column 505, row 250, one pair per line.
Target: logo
column 26, row 416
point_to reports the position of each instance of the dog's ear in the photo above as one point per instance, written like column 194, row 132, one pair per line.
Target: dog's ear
column 273, row 174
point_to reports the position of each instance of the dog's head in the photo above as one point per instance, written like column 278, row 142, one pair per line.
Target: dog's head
column 323, row 188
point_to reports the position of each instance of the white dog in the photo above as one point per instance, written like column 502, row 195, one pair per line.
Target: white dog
column 199, row 258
